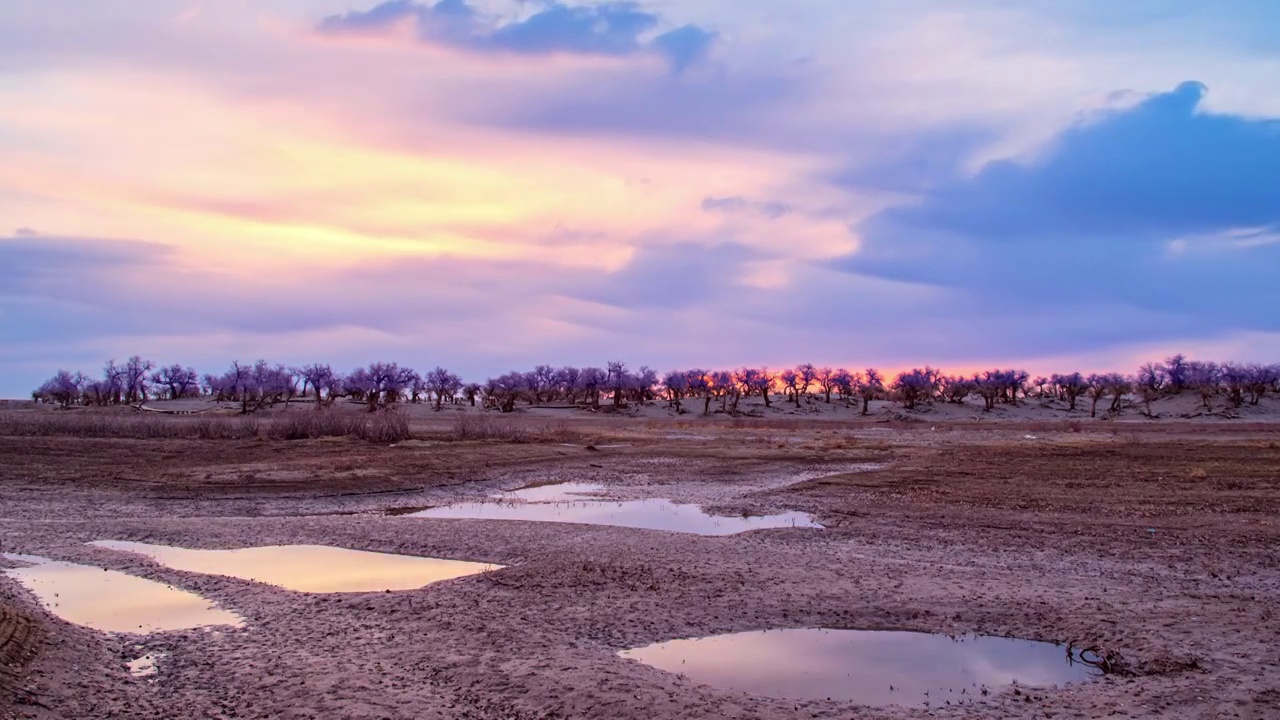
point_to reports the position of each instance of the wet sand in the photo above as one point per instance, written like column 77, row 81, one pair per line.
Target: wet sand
column 1158, row 547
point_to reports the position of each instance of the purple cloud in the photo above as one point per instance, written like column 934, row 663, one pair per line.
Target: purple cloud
column 610, row 28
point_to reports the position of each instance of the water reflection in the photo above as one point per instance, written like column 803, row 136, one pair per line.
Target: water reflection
column 875, row 668
column 654, row 514
column 309, row 568
column 113, row 601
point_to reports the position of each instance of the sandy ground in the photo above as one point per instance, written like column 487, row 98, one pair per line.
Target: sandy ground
column 1157, row 543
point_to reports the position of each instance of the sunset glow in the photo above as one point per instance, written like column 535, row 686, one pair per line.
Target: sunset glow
column 721, row 184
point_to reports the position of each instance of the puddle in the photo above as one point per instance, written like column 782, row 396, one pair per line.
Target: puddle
column 145, row 666
column 114, row 601
column 876, row 668
column 309, row 568
column 551, row 493
column 655, row 514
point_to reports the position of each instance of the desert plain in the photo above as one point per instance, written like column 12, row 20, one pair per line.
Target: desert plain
column 1153, row 542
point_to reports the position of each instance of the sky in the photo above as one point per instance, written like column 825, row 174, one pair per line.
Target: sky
column 493, row 184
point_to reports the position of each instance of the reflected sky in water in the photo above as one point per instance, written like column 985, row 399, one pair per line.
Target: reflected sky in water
column 113, row 601
column 309, row 568
column 654, row 514
column 877, row 668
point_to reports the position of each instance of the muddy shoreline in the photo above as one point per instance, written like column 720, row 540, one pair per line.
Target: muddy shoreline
column 925, row 532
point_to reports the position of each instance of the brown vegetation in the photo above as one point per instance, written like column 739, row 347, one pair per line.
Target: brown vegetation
column 384, row 426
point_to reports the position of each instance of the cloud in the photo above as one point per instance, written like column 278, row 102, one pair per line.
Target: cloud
column 672, row 277
column 609, row 29
column 739, row 204
column 36, row 263
column 685, row 46
column 489, row 191
column 1090, row 221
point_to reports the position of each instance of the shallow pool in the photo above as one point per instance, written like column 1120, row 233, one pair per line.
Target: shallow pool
column 114, row 601
column 877, row 668
column 309, row 568
column 654, row 514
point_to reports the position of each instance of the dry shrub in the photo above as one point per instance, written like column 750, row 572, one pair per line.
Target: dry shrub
column 488, row 427
column 223, row 428
column 556, row 432
column 385, row 426
column 110, row 425
column 317, row 424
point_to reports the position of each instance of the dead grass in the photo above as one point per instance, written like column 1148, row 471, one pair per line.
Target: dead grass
column 514, row 430
column 112, row 425
column 385, row 426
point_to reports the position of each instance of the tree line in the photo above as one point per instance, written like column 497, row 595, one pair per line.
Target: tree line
column 384, row 384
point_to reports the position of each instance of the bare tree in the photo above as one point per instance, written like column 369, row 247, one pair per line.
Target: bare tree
column 870, row 387
column 808, row 374
column 1070, row 387
column 1175, row 369
column 114, row 383
column 676, row 384
column 135, row 379
column 1204, row 378
column 698, row 384
column 956, row 388
column 826, row 378
column 506, row 389
column 916, row 386
column 790, row 380
column 444, row 384
column 593, row 381
column 319, row 377
column 757, row 380
column 178, row 381
column 470, row 392
column 618, row 380
column 847, row 383
column 63, row 388
column 1149, row 384
column 1235, row 378
column 1262, row 379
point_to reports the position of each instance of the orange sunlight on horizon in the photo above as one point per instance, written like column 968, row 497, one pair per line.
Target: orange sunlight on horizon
column 218, row 176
